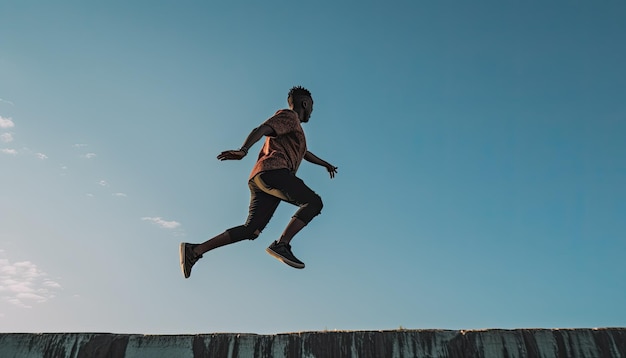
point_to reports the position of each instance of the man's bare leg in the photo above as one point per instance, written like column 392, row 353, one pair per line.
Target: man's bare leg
column 191, row 253
column 294, row 227
column 213, row 243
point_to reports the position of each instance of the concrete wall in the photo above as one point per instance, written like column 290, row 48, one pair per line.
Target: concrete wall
column 607, row 342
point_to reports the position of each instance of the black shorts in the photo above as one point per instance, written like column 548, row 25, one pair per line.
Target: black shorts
column 269, row 188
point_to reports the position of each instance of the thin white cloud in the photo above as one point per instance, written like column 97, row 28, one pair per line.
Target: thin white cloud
column 6, row 122
column 164, row 224
column 24, row 284
column 103, row 183
column 41, row 156
column 5, row 101
column 79, row 145
column 9, row 151
column 51, row 284
column 120, row 195
column 89, row 155
column 6, row 137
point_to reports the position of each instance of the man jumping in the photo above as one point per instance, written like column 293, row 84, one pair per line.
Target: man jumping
column 272, row 180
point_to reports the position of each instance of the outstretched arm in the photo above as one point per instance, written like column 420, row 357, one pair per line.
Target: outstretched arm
column 253, row 137
column 312, row 158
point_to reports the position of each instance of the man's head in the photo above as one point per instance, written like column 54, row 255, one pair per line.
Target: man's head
column 301, row 101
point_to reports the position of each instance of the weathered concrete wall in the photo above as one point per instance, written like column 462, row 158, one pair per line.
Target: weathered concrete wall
column 606, row 342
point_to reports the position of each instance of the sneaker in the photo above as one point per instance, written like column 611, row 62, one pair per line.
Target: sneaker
column 187, row 258
column 282, row 252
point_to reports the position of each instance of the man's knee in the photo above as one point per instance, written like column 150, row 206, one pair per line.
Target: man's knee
column 316, row 204
column 243, row 232
column 311, row 209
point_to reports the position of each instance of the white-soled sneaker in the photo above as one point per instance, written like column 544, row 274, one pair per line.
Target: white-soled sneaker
column 282, row 252
column 187, row 258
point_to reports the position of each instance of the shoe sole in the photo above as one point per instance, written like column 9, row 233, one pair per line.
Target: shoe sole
column 181, row 252
column 284, row 260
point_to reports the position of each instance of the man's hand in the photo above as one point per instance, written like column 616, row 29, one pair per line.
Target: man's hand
column 312, row 158
column 231, row 155
column 332, row 170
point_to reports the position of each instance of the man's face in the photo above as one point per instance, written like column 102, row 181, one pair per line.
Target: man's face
column 302, row 105
column 307, row 111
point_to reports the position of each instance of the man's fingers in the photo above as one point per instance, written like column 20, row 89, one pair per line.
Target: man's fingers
column 332, row 170
column 230, row 154
column 225, row 155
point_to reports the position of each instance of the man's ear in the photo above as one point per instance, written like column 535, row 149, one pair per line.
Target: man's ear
column 305, row 103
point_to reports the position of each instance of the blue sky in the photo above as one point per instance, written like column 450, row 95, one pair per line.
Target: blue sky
column 480, row 148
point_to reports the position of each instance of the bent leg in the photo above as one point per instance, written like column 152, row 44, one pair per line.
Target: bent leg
column 288, row 187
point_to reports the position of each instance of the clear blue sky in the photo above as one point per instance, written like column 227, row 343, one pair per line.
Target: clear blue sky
column 480, row 145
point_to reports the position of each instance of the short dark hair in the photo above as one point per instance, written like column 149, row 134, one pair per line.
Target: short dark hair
column 298, row 91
